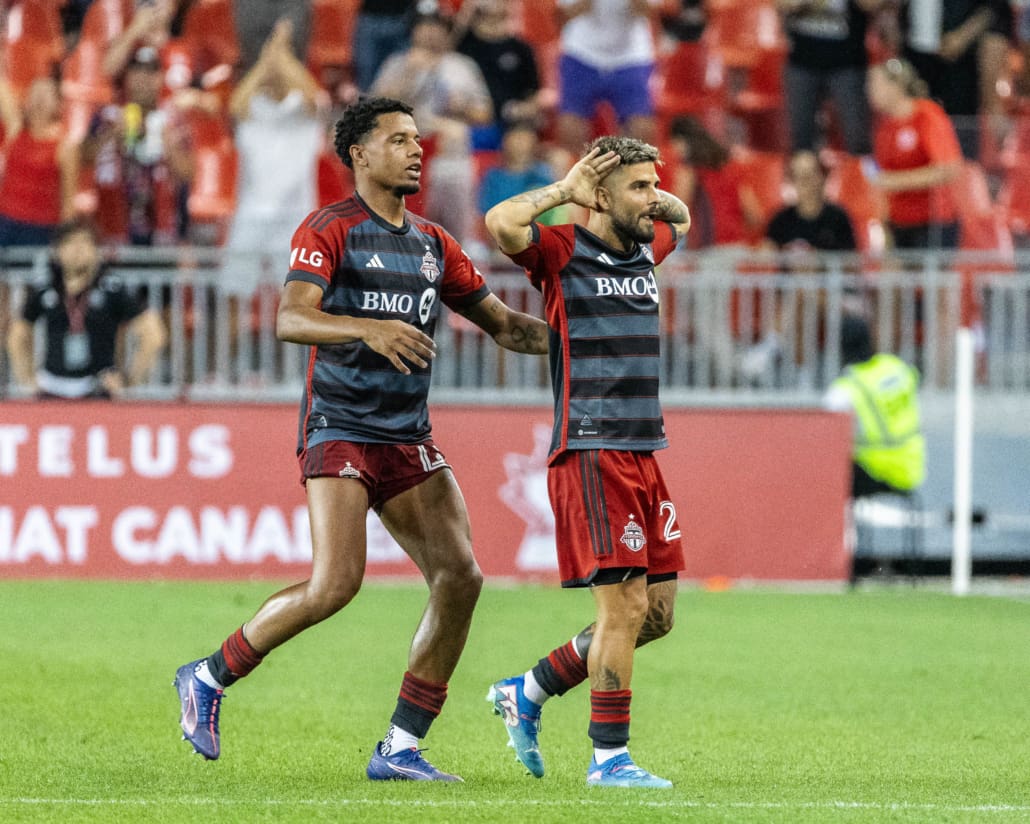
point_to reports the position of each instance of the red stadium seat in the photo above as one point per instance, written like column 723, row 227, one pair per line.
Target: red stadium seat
column 689, row 80
column 743, row 31
column 846, row 185
column 27, row 60
column 209, row 33
column 972, row 192
column 37, row 20
column 759, row 101
column 212, row 197
column 1014, row 198
column 539, row 24
column 335, row 181
column 332, row 32
column 764, row 172
column 33, row 44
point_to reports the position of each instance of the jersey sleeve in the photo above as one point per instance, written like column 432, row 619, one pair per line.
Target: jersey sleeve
column 462, row 285
column 548, row 252
column 665, row 239
column 313, row 256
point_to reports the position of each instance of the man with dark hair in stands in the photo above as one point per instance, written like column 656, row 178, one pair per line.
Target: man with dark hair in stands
column 364, row 290
column 84, row 309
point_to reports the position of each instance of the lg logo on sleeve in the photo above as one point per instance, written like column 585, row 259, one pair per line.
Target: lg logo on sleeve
column 302, row 255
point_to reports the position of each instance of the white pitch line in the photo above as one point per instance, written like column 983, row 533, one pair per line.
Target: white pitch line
column 604, row 800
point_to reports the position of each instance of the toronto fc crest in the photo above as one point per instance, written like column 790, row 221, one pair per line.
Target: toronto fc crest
column 429, row 267
column 633, row 536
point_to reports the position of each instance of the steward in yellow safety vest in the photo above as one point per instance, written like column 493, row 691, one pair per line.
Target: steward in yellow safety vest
column 881, row 391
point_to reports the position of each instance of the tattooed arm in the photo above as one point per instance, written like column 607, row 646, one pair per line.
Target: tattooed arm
column 674, row 211
column 513, row 330
column 509, row 222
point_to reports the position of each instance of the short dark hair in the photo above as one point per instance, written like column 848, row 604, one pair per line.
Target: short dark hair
column 359, row 119
column 856, row 344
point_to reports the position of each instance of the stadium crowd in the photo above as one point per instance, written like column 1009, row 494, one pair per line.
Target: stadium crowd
column 141, row 114
column 207, row 123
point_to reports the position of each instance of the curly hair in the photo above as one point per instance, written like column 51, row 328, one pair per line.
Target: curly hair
column 629, row 149
column 359, row 119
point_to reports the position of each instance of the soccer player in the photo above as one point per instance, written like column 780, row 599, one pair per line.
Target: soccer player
column 616, row 526
column 364, row 290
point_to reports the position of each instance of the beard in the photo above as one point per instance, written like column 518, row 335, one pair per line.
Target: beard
column 407, row 189
column 633, row 231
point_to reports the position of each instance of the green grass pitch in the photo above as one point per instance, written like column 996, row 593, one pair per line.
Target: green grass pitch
column 878, row 705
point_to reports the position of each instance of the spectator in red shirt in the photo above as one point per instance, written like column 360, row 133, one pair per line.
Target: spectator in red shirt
column 724, row 206
column 41, row 165
column 917, row 154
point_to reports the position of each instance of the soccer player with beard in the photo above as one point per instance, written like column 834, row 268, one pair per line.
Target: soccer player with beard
column 364, row 291
column 615, row 524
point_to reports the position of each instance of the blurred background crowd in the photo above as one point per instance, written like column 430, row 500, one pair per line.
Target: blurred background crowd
column 208, row 121
column 796, row 127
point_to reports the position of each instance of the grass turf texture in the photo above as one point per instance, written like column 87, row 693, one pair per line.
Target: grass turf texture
column 763, row 706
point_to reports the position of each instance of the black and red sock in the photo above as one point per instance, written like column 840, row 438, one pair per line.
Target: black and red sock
column 234, row 659
column 418, row 704
column 561, row 670
column 609, row 718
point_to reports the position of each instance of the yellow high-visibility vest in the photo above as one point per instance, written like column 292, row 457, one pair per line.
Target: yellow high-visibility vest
column 889, row 443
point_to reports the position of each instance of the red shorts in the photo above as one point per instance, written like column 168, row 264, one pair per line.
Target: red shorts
column 386, row 469
column 612, row 511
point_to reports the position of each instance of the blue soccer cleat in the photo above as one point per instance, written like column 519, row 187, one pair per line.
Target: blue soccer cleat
column 406, row 765
column 620, row 771
column 521, row 720
column 200, row 707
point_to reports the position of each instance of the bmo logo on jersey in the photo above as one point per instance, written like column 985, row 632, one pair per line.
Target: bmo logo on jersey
column 399, row 303
column 639, row 286
column 302, row 255
column 393, row 303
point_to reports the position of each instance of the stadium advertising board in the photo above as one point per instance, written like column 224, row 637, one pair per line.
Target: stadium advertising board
column 102, row 490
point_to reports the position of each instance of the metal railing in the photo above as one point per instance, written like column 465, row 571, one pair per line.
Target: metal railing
column 737, row 327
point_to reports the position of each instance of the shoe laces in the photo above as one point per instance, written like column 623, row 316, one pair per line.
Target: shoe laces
column 207, row 711
column 412, row 754
column 629, row 769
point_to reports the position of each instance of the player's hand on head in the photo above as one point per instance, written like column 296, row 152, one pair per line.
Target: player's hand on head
column 401, row 344
column 586, row 174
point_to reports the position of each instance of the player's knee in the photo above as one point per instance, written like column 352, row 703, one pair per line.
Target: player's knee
column 657, row 624
column 323, row 602
column 460, row 581
column 627, row 612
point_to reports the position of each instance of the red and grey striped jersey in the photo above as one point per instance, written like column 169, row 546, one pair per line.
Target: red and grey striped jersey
column 602, row 309
column 369, row 268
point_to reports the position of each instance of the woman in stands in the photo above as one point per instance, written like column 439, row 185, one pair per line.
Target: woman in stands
column 41, row 165
column 917, row 154
column 725, row 207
